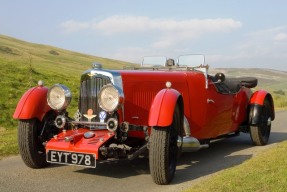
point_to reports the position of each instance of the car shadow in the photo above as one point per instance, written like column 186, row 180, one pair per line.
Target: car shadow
column 220, row 155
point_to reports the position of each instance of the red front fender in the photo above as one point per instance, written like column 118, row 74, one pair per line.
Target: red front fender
column 162, row 108
column 33, row 104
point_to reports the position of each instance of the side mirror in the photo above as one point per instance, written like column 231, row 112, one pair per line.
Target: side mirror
column 219, row 77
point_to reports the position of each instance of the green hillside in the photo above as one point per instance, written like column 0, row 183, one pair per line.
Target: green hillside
column 23, row 64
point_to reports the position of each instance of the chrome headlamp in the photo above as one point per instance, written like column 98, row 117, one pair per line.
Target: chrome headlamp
column 59, row 97
column 110, row 98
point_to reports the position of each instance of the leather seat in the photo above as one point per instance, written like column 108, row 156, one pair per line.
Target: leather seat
column 233, row 85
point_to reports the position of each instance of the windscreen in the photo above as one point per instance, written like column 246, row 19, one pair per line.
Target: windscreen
column 194, row 60
column 153, row 61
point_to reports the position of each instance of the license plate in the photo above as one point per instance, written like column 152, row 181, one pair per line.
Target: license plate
column 71, row 158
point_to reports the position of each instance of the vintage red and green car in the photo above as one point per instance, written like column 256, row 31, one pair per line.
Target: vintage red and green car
column 159, row 109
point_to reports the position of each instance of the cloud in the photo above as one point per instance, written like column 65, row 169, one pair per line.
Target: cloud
column 280, row 37
column 121, row 24
column 130, row 24
column 262, row 49
column 165, row 32
column 161, row 32
column 135, row 36
column 264, row 42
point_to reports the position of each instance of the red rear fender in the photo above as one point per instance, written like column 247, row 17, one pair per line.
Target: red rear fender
column 257, row 101
column 258, row 97
column 33, row 104
column 162, row 108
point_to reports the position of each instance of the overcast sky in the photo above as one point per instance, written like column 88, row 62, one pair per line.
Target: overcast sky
column 230, row 33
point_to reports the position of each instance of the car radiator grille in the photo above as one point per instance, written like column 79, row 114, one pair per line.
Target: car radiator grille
column 89, row 96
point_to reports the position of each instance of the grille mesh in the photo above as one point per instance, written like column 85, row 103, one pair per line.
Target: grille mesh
column 89, row 96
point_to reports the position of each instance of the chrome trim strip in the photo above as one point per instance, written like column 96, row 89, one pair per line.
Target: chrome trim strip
column 89, row 123
column 114, row 76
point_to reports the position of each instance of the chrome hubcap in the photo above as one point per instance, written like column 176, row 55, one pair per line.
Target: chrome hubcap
column 269, row 121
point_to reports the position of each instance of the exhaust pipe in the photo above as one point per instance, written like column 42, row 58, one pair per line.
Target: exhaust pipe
column 190, row 144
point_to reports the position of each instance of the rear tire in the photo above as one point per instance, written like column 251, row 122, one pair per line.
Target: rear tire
column 260, row 133
column 163, row 150
column 31, row 148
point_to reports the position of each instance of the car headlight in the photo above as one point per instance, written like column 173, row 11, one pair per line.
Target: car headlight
column 59, row 97
column 110, row 98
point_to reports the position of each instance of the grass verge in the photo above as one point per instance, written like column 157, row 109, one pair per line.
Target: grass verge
column 8, row 142
column 265, row 172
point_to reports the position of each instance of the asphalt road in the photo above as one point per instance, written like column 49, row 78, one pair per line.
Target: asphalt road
column 192, row 167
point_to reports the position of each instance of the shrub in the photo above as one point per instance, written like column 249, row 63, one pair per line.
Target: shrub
column 279, row 92
column 53, row 52
column 7, row 50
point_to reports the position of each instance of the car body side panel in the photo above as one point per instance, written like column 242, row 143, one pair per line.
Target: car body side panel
column 240, row 105
column 209, row 113
column 33, row 104
column 198, row 106
column 139, row 94
column 219, row 117
column 213, row 113
column 222, row 112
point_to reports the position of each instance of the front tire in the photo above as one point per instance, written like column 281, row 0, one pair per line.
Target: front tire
column 31, row 148
column 163, row 150
column 260, row 133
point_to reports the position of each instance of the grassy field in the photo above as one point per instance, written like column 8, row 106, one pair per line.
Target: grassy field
column 263, row 173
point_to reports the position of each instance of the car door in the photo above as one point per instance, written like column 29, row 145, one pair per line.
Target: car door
column 219, row 114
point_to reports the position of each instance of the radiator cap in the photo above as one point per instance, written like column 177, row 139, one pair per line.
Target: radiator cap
column 96, row 65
